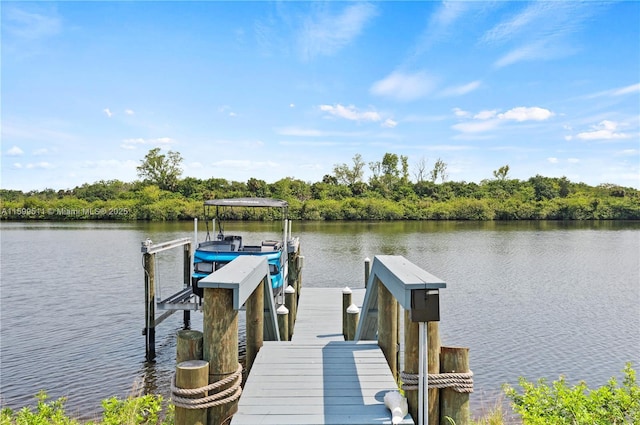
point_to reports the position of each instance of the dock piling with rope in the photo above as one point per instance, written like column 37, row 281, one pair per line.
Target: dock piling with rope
column 334, row 367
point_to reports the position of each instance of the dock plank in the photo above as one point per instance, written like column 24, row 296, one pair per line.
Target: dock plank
column 318, row 378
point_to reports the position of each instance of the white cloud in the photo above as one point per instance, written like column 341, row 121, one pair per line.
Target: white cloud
column 573, row 160
column 460, row 113
column 403, row 86
column 527, row 114
column 29, row 25
column 14, row 151
column 350, row 113
column 485, row 115
column 389, row 123
column 17, row 165
column 634, row 88
column 131, row 144
column 605, row 130
column 39, row 165
column 552, row 160
column 107, row 112
column 476, row 126
column 324, row 33
column 292, row 105
column 540, row 31
column 129, row 112
column 490, row 119
column 460, row 90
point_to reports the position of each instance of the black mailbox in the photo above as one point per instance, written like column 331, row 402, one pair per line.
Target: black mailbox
column 425, row 305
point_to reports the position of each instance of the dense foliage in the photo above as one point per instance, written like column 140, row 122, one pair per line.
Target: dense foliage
column 389, row 194
column 559, row 404
column 140, row 410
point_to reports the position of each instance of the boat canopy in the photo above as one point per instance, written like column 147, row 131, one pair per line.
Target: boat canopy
column 247, row 202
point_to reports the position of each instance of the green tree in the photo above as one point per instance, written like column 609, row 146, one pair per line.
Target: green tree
column 160, row 169
column 501, row 173
column 349, row 175
column 439, row 171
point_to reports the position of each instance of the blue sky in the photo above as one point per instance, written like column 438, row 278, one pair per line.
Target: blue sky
column 290, row 89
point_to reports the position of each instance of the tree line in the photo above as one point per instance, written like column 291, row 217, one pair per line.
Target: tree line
column 392, row 192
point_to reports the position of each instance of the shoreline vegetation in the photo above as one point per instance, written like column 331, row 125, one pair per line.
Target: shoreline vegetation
column 388, row 194
column 539, row 403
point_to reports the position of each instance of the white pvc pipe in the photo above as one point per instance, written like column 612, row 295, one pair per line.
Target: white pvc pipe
column 423, row 373
column 195, row 233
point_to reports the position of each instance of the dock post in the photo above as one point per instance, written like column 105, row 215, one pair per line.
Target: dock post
column 191, row 374
column 353, row 315
column 283, row 322
column 255, row 324
column 187, row 282
column 150, row 305
column 433, row 366
column 388, row 327
column 220, row 332
column 290, row 303
column 188, row 346
column 346, row 302
column 452, row 403
column 412, row 363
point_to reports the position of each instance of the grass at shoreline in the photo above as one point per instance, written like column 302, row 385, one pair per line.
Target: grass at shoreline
column 538, row 403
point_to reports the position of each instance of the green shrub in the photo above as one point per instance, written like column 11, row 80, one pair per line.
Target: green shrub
column 560, row 404
column 140, row 410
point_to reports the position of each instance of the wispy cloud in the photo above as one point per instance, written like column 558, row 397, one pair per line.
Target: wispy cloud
column 540, row 31
column 619, row 91
column 604, row 130
column 350, row 113
column 30, row 24
column 131, row 144
column 14, row 151
column 324, row 33
column 404, row 86
column 488, row 120
column 460, row 90
column 107, row 112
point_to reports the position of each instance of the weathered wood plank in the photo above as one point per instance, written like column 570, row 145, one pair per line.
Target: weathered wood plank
column 317, row 378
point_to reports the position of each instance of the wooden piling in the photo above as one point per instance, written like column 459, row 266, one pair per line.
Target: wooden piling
column 412, row 363
column 283, row 322
column 411, row 360
column 452, row 403
column 353, row 315
column 346, row 302
column 388, row 327
column 433, row 366
column 255, row 324
column 290, row 303
column 192, row 374
column 220, row 331
column 188, row 346
column 150, row 305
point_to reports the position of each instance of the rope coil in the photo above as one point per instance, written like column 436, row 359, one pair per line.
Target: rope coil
column 217, row 399
column 459, row 382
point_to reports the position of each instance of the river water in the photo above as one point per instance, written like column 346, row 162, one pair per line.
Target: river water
column 532, row 299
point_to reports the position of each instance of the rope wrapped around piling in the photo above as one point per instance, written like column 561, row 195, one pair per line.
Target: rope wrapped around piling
column 459, row 382
column 227, row 396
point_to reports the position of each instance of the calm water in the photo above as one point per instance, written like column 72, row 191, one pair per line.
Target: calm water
column 529, row 299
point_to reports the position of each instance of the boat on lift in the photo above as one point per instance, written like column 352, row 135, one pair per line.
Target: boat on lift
column 219, row 248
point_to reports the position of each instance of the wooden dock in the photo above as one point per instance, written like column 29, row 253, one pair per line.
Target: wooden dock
column 317, row 377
